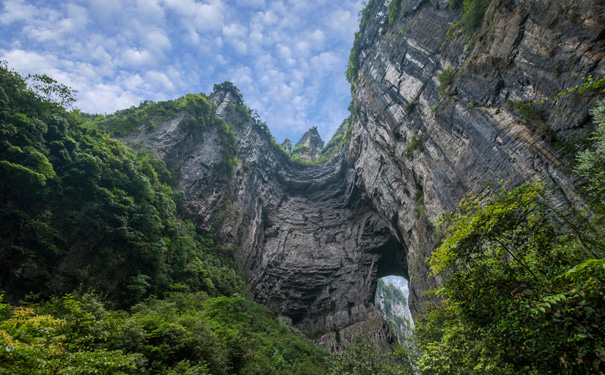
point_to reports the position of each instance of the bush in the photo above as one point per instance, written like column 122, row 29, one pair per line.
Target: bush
column 394, row 9
column 446, row 78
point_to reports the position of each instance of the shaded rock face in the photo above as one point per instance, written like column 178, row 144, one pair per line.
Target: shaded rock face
column 310, row 244
column 309, row 147
column 312, row 241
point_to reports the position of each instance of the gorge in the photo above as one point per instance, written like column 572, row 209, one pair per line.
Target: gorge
column 192, row 202
column 313, row 240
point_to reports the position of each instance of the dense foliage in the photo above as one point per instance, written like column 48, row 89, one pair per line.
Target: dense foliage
column 523, row 289
column 80, row 211
column 182, row 334
column 362, row 358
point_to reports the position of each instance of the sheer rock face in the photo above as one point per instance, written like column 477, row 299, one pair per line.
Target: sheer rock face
column 393, row 307
column 418, row 152
column 313, row 240
column 309, row 147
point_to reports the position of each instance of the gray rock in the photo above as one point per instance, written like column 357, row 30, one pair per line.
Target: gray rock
column 309, row 147
column 313, row 240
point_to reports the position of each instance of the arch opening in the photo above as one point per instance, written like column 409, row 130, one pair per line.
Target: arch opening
column 391, row 298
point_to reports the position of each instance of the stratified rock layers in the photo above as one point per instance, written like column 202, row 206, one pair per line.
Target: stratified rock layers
column 313, row 240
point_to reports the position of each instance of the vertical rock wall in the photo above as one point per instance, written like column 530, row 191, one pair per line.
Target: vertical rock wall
column 419, row 145
column 313, row 240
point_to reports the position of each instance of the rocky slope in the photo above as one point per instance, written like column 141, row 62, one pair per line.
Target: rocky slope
column 312, row 241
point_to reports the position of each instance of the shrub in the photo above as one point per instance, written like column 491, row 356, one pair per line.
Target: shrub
column 446, row 78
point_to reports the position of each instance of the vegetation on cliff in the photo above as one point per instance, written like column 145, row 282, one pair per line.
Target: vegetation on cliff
column 81, row 212
column 523, row 281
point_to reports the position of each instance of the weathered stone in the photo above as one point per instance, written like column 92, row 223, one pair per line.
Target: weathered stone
column 309, row 147
column 313, row 240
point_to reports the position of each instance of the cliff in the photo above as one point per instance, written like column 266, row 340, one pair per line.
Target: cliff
column 393, row 307
column 309, row 147
column 438, row 112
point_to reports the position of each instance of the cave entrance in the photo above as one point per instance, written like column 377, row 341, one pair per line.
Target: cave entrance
column 391, row 295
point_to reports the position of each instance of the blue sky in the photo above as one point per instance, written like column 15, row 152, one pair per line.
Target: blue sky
column 288, row 57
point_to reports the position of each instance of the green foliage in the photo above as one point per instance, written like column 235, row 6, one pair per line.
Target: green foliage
column 590, row 164
column 51, row 91
column 415, row 144
column 32, row 343
column 527, row 109
column 228, row 86
column 353, row 67
column 446, row 78
column 183, row 334
column 80, row 209
column 420, row 204
column 472, row 18
column 522, row 288
column 474, row 11
column 455, row 4
column 409, row 107
column 394, row 8
column 338, row 141
column 362, row 358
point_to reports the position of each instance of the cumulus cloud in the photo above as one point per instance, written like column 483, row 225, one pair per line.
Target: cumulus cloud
column 287, row 56
column 15, row 11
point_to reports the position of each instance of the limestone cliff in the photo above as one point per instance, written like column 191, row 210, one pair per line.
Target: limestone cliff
column 429, row 124
column 438, row 116
column 393, row 307
column 309, row 146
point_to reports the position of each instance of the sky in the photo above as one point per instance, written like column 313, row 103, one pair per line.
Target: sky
column 287, row 57
column 399, row 282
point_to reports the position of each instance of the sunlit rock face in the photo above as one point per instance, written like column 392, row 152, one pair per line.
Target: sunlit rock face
column 419, row 145
column 393, row 307
column 312, row 240
column 309, row 147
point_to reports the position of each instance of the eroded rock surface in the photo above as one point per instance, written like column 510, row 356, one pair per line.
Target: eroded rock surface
column 309, row 146
column 313, row 240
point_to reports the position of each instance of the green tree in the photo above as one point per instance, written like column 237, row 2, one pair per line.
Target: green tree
column 523, row 293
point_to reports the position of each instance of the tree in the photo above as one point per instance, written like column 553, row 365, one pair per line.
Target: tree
column 522, row 292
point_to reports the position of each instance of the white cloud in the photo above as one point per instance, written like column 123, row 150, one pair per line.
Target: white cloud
column 287, row 56
column 28, row 62
column 159, row 80
column 104, row 98
column 235, row 30
column 157, row 40
column 205, row 16
column 15, row 11
column 242, row 77
column 135, row 57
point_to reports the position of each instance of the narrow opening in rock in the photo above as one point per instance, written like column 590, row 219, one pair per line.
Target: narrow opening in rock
column 391, row 299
